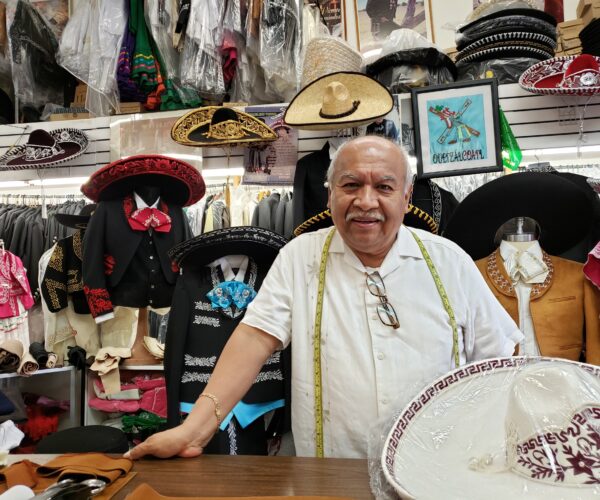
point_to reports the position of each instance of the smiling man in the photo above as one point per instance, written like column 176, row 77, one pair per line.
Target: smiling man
column 397, row 308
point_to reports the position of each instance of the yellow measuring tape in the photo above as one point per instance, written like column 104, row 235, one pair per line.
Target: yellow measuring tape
column 317, row 347
column 317, row 330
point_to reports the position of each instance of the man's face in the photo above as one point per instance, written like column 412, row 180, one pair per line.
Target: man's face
column 367, row 195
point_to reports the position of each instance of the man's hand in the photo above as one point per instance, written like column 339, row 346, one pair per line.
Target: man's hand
column 179, row 441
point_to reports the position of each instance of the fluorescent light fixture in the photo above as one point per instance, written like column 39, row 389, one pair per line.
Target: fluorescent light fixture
column 13, row 184
column 222, row 172
column 560, row 151
column 183, row 156
column 62, row 181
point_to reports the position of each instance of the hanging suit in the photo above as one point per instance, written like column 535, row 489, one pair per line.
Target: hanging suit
column 565, row 308
column 127, row 267
column 196, row 336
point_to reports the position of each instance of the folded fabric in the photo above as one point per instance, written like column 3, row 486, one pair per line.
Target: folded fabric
column 76, row 356
column 128, row 391
column 10, row 435
column 28, row 365
column 146, row 384
column 6, row 405
column 116, row 471
column 114, row 405
column 155, row 401
column 39, row 353
column 11, row 352
column 52, row 359
column 107, row 366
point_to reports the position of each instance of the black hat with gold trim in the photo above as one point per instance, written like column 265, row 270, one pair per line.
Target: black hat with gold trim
column 220, row 126
column 414, row 217
column 77, row 221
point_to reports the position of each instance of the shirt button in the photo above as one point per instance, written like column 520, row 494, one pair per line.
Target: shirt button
column 152, row 270
column 151, row 257
column 150, row 301
column 152, row 287
column 150, row 242
column 380, row 355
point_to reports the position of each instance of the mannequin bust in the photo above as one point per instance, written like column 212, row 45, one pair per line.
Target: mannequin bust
column 148, row 193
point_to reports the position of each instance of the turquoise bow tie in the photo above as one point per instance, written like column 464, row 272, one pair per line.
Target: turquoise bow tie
column 231, row 292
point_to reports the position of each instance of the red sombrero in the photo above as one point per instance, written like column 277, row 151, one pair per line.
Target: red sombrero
column 568, row 75
column 180, row 183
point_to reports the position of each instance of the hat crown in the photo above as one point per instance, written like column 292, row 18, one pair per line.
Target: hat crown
column 325, row 56
column 40, row 137
column 335, row 91
column 222, row 115
column 552, row 423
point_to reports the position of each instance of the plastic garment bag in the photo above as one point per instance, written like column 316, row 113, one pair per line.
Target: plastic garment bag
column 280, row 40
column 200, row 66
column 37, row 77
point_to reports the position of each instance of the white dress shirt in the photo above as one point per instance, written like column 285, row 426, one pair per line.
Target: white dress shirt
column 366, row 365
column 525, row 267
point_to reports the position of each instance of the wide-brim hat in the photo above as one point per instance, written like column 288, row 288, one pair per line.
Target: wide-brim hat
column 339, row 100
column 428, row 57
column 506, row 14
column 565, row 75
column 511, row 38
column 414, row 217
column 212, row 126
column 506, row 50
column 261, row 244
column 561, row 208
column 180, row 183
column 77, row 221
column 456, row 437
column 46, row 149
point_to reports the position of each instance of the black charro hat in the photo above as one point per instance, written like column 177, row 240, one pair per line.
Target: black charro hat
column 561, row 208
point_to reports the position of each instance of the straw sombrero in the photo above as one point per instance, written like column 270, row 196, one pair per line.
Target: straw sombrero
column 339, row 100
column 220, row 126
column 327, row 55
column 500, row 429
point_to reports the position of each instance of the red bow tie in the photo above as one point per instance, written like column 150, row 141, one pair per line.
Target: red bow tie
column 143, row 219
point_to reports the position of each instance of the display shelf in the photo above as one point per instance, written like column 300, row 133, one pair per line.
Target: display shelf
column 45, row 371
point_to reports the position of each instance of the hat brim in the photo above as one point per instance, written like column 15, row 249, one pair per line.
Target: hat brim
column 72, row 141
column 414, row 217
column 561, row 208
column 73, row 221
column 192, row 129
column 261, row 244
column 458, row 417
column 180, row 183
column 375, row 102
column 505, row 51
column 545, row 78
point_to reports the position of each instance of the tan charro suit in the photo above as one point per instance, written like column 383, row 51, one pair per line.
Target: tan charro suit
column 565, row 308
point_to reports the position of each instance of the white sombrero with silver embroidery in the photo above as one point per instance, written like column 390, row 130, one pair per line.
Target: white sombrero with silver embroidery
column 500, row 429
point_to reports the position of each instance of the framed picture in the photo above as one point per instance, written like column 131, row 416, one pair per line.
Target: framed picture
column 376, row 19
column 457, row 129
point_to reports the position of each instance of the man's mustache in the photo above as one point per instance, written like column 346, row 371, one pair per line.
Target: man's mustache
column 359, row 214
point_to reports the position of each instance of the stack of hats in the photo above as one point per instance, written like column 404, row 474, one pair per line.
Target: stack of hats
column 590, row 38
column 408, row 60
column 504, row 37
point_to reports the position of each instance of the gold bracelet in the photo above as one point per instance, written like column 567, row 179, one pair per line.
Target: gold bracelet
column 214, row 399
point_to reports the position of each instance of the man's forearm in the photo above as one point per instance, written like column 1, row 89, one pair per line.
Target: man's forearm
column 240, row 362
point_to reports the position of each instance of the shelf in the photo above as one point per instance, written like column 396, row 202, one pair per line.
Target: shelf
column 156, row 368
column 45, row 371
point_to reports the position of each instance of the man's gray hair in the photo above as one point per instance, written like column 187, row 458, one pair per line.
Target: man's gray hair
column 408, row 181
